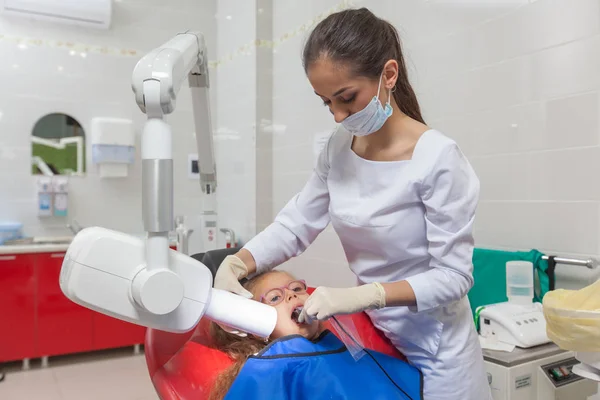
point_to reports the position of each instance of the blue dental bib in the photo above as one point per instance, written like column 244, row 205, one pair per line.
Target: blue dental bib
column 295, row 368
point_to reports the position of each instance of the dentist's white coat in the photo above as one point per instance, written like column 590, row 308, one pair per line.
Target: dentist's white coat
column 402, row 220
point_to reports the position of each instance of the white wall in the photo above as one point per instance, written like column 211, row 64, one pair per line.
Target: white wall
column 244, row 109
column 517, row 89
column 236, row 110
column 38, row 75
column 42, row 76
column 514, row 82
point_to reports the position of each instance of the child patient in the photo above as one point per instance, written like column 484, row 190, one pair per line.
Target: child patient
column 275, row 288
column 303, row 360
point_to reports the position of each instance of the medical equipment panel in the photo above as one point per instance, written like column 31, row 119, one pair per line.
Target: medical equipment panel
column 520, row 325
column 538, row 373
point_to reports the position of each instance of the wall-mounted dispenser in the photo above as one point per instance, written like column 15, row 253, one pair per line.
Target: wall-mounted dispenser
column 113, row 146
column 61, row 195
column 44, row 190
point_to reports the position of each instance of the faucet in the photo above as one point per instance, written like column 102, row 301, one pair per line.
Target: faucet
column 229, row 237
column 183, row 235
column 74, row 227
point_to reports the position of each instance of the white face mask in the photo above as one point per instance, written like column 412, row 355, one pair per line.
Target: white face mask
column 371, row 118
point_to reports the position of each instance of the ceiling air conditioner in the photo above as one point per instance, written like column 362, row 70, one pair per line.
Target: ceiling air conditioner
column 86, row 13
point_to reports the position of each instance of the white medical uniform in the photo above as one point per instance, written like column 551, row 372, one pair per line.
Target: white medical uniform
column 400, row 220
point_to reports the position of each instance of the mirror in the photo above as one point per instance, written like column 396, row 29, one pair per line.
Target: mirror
column 57, row 146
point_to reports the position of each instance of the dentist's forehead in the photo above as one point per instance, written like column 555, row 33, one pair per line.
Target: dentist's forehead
column 328, row 78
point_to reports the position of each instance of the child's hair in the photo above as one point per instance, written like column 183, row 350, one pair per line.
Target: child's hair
column 237, row 348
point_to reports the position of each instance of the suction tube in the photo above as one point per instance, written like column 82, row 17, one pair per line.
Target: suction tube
column 241, row 313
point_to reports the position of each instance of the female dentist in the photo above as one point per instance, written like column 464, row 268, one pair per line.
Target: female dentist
column 400, row 196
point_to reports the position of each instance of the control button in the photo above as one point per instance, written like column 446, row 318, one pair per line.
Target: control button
column 518, row 323
column 525, row 321
column 556, row 373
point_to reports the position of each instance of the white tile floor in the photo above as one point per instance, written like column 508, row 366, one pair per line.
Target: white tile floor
column 101, row 376
column 116, row 375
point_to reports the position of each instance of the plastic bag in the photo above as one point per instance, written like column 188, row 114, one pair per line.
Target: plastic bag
column 573, row 318
column 349, row 335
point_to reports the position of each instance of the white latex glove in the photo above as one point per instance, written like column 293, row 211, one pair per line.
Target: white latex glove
column 231, row 270
column 325, row 302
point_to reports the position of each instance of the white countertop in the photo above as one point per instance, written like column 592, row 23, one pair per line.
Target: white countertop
column 37, row 248
column 33, row 248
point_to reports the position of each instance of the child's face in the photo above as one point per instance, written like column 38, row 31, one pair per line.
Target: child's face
column 292, row 299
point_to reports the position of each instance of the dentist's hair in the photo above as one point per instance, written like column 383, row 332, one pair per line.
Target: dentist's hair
column 364, row 42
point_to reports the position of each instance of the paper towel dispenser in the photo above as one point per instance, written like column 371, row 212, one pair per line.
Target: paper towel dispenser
column 113, row 146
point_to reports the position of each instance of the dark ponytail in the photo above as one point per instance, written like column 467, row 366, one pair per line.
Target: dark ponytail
column 365, row 43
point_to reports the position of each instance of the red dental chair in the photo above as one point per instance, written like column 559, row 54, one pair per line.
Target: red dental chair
column 184, row 366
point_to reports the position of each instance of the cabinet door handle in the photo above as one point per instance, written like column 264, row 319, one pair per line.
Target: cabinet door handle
column 58, row 255
column 8, row 258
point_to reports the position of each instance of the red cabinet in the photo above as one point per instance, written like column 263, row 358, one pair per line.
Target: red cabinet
column 37, row 319
column 63, row 326
column 112, row 333
column 17, row 307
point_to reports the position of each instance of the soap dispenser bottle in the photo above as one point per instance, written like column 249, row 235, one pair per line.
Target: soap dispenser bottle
column 44, row 186
column 61, row 196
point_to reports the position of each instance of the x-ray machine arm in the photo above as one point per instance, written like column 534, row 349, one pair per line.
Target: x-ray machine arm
column 144, row 281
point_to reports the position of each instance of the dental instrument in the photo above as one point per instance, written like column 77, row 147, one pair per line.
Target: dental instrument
column 346, row 331
column 142, row 281
column 296, row 313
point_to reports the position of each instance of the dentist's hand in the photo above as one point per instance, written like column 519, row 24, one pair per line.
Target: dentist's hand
column 325, row 302
column 231, row 270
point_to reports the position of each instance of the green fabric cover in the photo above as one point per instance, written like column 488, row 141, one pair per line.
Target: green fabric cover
column 489, row 273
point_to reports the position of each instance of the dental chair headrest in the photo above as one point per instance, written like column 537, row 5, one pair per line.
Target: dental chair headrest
column 213, row 258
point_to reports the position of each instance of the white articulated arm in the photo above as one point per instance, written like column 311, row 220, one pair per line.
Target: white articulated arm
column 157, row 79
column 166, row 68
column 144, row 281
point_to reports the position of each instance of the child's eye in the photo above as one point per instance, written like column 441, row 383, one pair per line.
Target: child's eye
column 274, row 299
column 326, row 103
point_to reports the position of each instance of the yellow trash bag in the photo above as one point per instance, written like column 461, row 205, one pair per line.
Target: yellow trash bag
column 573, row 318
